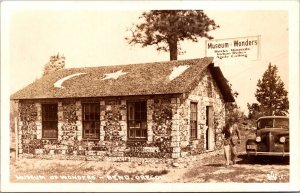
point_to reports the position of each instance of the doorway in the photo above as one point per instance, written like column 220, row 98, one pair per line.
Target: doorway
column 210, row 125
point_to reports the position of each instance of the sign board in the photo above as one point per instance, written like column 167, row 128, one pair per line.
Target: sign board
column 234, row 48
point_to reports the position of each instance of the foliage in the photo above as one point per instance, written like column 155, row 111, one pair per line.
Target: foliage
column 232, row 110
column 271, row 95
column 254, row 112
column 166, row 28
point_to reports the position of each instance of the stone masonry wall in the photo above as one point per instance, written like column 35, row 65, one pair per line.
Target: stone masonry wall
column 113, row 145
column 203, row 97
column 69, row 122
column 69, row 130
column 159, row 123
column 113, row 128
column 27, row 128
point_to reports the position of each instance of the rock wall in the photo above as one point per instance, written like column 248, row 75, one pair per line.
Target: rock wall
column 69, row 122
column 113, row 124
column 162, row 140
column 27, row 128
column 205, row 94
column 69, row 129
column 159, row 123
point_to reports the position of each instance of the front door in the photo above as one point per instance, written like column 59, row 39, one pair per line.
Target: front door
column 209, row 136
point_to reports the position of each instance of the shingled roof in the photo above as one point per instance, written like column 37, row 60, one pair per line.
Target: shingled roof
column 124, row 80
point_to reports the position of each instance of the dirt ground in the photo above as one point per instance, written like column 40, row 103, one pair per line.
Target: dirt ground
column 209, row 168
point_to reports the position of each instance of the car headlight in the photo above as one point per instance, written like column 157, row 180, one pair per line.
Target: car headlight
column 258, row 139
column 282, row 139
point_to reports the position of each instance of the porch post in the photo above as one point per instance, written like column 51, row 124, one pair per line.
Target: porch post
column 16, row 138
column 17, row 131
column 150, row 103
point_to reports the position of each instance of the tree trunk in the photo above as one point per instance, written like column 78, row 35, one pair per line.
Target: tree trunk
column 173, row 49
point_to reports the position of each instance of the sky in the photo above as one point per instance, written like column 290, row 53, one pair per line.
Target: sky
column 95, row 37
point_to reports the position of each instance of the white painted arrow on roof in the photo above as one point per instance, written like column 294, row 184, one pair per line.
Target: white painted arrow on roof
column 114, row 75
column 177, row 71
column 58, row 84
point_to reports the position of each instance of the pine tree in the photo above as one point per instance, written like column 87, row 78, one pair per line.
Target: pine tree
column 271, row 94
column 232, row 110
column 166, row 28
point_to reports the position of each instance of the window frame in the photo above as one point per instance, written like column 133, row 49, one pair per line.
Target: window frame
column 94, row 121
column 210, row 89
column 142, row 121
column 46, row 120
column 193, row 120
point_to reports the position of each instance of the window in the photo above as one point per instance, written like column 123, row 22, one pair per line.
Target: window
column 49, row 120
column 137, row 120
column 281, row 123
column 91, row 120
column 273, row 123
column 209, row 89
column 193, row 120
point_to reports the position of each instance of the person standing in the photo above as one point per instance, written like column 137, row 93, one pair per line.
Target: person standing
column 232, row 138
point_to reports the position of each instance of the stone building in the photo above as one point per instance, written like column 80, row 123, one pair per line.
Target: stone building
column 154, row 110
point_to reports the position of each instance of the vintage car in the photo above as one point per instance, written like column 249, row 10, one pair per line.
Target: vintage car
column 272, row 137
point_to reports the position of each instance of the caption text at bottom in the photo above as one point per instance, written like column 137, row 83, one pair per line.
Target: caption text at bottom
column 91, row 177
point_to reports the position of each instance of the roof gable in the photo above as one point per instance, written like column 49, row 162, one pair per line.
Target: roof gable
column 120, row 80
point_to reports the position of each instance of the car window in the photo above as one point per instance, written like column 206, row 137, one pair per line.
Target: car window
column 278, row 123
column 265, row 123
column 282, row 123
